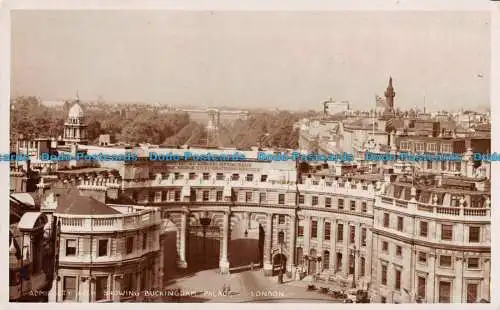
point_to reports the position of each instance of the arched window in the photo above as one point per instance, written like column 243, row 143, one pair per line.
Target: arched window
column 299, row 256
column 326, row 260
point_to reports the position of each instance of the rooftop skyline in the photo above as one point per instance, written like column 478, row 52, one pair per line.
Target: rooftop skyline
column 286, row 60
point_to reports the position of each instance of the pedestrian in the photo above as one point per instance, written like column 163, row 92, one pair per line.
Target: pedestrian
column 251, row 266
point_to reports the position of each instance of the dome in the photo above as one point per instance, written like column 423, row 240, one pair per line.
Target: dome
column 76, row 111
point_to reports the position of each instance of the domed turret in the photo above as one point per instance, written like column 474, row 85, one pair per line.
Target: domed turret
column 76, row 111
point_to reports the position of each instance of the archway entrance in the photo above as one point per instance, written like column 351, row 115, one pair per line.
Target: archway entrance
column 203, row 251
column 279, row 262
column 246, row 245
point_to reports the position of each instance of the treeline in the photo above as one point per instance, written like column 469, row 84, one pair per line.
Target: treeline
column 266, row 129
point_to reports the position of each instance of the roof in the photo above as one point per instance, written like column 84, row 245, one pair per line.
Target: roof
column 27, row 199
column 76, row 204
column 29, row 219
column 76, row 111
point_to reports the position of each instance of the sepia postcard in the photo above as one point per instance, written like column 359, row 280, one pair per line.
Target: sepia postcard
column 250, row 156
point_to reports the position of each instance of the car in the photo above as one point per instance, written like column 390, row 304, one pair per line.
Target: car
column 352, row 295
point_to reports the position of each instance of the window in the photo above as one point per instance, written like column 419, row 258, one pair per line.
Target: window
column 429, row 164
column 301, row 199
column 314, row 229
column 101, row 288
column 69, row 288
column 384, row 275
column 445, row 261
column 206, row 195
column 219, row 176
column 328, row 202
column 326, row 260
column 177, row 196
column 151, row 196
column 385, row 246
column 421, row 287
column 262, row 197
column 249, row 177
column 362, row 267
column 454, row 201
column 339, row 262
column 281, row 237
column 386, row 219
column 423, row 229
column 400, row 223
column 341, row 204
column 473, row 263
column 281, row 219
column 446, row 148
column 164, row 196
column 431, row 147
column 192, row 175
column 472, row 293
column 399, row 250
column 299, row 256
column 340, row 232
column 474, row 233
column 218, row 195
column 281, row 199
column 158, row 196
column 327, row 231
column 263, row 178
column 353, row 205
column 206, row 176
column 248, row 196
column 404, row 146
column 364, row 208
column 144, row 240
column 352, row 234
column 235, row 177
column 71, row 247
column 397, row 285
column 102, row 247
column 443, row 165
column 314, row 200
column 419, row 147
column 300, row 231
column 446, row 232
column 128, row 283
column 444, row 291
column 130, row 244
column 363, row 236
column 422, row 257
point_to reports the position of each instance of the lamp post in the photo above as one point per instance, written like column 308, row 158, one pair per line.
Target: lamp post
column 280, row 275
column 205, row 221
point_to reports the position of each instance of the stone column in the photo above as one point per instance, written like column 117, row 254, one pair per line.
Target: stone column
column 345, row 250
column 182, row 263
column 457, row 289
column 224, row 261
column 485, row 288
column 321, row 236
column 268, row 266
column 116, row 287
column 333, row 246
column 138, row 282
column 291, row 246
column 431, row 289
column 307, row 234
column 357, row 258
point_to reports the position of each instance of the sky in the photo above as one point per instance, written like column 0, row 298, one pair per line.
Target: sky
column 273, row 59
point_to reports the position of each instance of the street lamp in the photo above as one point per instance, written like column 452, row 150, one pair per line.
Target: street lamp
column 280, row 275
column 205, row 222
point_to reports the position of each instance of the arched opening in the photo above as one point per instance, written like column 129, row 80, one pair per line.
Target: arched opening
column 203, row 251
column 168, row 241
column 279, row 263
column 246, row 245
column 312, row 259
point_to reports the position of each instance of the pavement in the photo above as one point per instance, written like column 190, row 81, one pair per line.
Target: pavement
column 245, row 286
